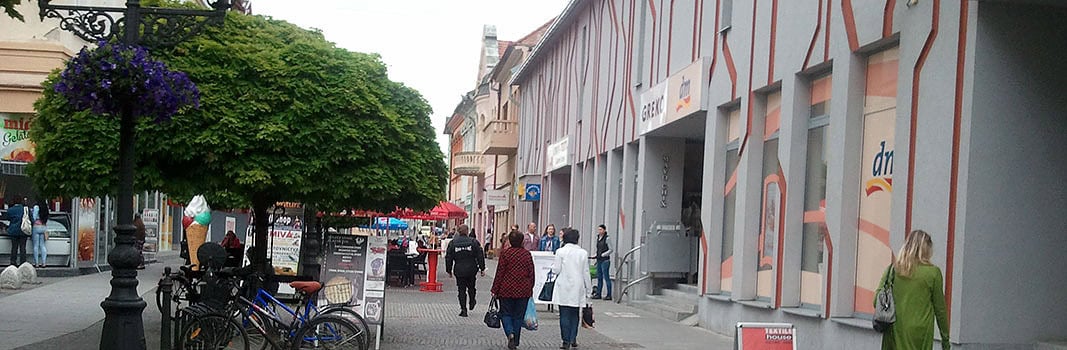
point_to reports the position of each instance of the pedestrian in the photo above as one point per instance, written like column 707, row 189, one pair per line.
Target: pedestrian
column 40, row 233
column 918, row 297
column 139, row 236
column 230, row 241
column 572, row 286
column 530, row 240
column 468, row 258
column 549, row 241
column 15, row 213
column 487, row 240
column 513, row 287
column 603, row 263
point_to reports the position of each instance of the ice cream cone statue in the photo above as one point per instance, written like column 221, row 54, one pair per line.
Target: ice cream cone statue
column 196, row 221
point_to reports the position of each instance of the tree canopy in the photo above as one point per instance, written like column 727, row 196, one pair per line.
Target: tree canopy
column 285, row 116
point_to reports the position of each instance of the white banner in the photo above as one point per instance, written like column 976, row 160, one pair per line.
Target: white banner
column 558, row 154
column 497, row 198
column 542, row 266
column 653, row 108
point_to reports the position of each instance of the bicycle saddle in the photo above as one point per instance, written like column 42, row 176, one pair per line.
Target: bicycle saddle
column 309, row 287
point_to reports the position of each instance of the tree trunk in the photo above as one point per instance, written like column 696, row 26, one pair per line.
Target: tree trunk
column 261, row 224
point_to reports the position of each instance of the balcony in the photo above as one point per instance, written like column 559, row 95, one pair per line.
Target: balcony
column 500, row 137
column 468, row 164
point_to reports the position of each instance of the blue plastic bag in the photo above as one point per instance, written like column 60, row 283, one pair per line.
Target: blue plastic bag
column 530, row 321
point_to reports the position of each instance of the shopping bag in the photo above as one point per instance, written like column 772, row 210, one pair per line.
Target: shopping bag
column 587, row 316
column 530, row 321
column 492, row 315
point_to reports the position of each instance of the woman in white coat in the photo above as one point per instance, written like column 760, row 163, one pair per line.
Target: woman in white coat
column 573, row 286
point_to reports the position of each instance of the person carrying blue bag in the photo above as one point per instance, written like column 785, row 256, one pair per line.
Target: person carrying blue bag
column 513, row 287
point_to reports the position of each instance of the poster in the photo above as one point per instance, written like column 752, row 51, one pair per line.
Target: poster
column 86, row 213
column 354, row 273
column 542, row 266
column 765, row 336
column 150, row 218
column 231, row 224
column 16, row 146
column 283, row 244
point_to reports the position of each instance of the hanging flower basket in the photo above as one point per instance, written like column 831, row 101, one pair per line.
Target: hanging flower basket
column 114, row 76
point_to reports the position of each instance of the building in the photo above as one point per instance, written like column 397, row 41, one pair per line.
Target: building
column 484, row 136
column 751, row 147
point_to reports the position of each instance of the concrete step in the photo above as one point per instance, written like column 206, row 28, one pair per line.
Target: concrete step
column 1059, row 345
column 664, row 310
column 677, row 294
column 679, row 304
column 688, row 288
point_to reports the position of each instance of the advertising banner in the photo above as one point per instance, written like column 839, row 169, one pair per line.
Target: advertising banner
column 354, row 273
column 496, row 198
column 542, row 266
column 283, row 244
column 86, row 216
column 231, row 224
column 558, row 154
column 653, row 108
column 150, row 217
column 15, row 145
column 765, row 336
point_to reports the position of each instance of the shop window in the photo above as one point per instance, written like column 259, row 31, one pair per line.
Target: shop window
column 726, row 266
column 771, row 207
column 814, row 242
column 873, row 253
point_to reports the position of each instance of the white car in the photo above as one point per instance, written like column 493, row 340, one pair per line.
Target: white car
column 58, row 243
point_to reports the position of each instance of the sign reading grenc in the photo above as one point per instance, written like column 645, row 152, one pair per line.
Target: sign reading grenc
column 558, row 155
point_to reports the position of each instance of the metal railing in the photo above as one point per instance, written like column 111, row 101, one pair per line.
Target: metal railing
column 630, row 282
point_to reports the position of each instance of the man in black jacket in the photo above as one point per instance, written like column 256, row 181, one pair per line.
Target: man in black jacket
column 468, row 258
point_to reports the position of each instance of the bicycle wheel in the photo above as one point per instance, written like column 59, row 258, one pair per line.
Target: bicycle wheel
column 213, row 331
column 178, row 295
column 328, row 332
column 257, row 338
column 356, row 319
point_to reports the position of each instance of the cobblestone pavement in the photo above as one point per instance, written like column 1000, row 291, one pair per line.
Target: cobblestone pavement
column 423, row 321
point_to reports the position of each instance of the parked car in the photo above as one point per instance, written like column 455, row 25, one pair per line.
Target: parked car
column 58, row 243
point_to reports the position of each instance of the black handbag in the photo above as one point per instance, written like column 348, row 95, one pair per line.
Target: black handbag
column 885, row 312
column 548, row 289
column 587, row 316
column 492, row 315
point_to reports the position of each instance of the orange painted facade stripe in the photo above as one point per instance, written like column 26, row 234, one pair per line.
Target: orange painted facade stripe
column 850, row 25
column 887, row 18
column 957, row 117
column 916, row 77
column 814, row 36
column 872, row 229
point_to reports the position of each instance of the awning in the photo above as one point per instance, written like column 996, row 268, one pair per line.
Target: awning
column 447, row 210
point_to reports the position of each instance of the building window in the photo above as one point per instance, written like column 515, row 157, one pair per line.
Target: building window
column 813, row 241
column 771, row 203
column 733, row 127
column 873, row 253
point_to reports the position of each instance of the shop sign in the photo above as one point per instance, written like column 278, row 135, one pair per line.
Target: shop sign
column 558, row 153
column 496, row 198
column 765, row 336
column 86, row 216
column 685, row 91
column 653, row 108
column 532, row 193
column 15, row 144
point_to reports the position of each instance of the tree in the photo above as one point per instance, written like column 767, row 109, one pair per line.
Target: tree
column 9, row 8
column 285, row 116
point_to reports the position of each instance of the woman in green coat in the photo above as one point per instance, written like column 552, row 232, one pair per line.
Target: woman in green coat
column 918, row 296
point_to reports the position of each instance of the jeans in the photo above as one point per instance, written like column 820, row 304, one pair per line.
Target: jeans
column 40, row 252
column 466, row 288
column 513, row 314
column 568, row 323
column 603, row 273
column 18, row 250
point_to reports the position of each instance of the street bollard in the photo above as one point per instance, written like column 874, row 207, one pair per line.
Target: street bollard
column 166, row 285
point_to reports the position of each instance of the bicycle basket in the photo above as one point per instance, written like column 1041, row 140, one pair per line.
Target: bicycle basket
column 338, row 290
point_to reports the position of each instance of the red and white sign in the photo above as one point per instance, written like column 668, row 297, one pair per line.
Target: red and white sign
column 766, row 336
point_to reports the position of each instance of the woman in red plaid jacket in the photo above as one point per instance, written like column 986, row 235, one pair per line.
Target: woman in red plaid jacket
column 513, row 286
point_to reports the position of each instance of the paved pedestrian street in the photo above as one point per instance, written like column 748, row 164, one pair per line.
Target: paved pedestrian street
column 420, row 320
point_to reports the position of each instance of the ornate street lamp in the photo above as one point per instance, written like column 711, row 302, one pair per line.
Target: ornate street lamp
column 162, row 28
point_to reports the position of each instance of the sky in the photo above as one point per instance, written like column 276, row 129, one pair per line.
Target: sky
column 432, row 46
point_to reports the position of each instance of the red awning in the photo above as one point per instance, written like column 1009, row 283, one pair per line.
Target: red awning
column 447, row 210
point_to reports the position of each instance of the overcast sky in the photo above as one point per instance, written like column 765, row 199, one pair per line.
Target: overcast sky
column 430, row 45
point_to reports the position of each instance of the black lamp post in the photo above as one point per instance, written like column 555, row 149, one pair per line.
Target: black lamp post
column 163, row 27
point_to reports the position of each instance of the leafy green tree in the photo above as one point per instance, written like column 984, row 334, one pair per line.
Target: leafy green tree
column 285, row 116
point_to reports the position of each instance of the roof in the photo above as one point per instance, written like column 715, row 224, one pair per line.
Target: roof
column 502, row 46
column 536, row 34
column 554, row 31
column 526, row 41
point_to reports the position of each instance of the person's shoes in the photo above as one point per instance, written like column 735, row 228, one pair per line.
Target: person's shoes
column 565, row 346
column 574, row 345
column 608, row 297
column 473, row 302
column 596, row 296
column 463, row 313
column 140, row 267
column 512, row 344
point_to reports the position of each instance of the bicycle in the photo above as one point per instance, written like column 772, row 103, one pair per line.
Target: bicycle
column 264, row 307
column 184, row 288
column 208, row 329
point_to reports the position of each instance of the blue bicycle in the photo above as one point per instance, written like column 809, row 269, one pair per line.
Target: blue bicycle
column 306, row 327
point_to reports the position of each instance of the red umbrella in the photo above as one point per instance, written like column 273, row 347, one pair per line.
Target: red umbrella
column 447, row 210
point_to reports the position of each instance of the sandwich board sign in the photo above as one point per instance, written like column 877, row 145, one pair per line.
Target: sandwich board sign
column 765, row 336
